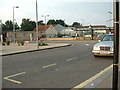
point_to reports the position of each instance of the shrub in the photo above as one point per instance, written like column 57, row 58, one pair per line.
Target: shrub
column 43, row 44
column 8, row 42
column 20, row 43
column 3, row 43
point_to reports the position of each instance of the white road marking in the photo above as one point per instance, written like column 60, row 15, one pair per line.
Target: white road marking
column 49, row 65
column 14, row 81
column 71, row 59
column 87, row 44
column 56, row 69
column 92, row 78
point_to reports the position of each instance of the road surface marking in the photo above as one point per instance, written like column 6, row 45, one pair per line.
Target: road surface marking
column 71, row 59
column 14, row 81
column 49, row 65
column 87, row 44
column 92, row 78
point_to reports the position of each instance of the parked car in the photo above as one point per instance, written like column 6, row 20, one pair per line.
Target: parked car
column 67, row 37
column 87, row 35
column 105, row 47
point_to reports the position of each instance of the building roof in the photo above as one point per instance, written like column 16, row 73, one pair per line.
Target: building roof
column 42, row 27
column 95, row 26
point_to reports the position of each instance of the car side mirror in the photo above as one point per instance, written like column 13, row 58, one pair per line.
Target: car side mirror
column 99, row 40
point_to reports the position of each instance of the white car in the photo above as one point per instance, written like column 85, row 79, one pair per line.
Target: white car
column 105, row 47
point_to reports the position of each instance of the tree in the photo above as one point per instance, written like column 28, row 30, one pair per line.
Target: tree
column 76, row 24
column 41, row 22
column 8, row 26
column 27, row 25
column 16, row 26
column 61, row 22
column 52, row 22
column 3, row 27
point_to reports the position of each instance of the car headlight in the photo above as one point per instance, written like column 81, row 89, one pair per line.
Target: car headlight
column 96, row 48
column 112, row 49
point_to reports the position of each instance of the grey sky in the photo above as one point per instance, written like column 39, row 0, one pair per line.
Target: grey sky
column 95, row 13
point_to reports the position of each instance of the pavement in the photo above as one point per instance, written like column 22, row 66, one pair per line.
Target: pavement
column 108, row 81
column 104, row 80
column 15, row 49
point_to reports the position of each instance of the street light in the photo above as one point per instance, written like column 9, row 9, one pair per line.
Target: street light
column 1, row 31
column 82, row 22
column 64, row 27
column 110, row 17
column 0, row 25
column 14, row 23
column 45, row 20
column 37, row 25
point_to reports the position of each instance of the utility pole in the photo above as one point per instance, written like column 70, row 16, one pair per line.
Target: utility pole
column 45, row 22
column 110, row 18
column 64, row 27
column 1, row 36
column 83, row 22
column 116, row 45
column 14, row 32
column 37, row 25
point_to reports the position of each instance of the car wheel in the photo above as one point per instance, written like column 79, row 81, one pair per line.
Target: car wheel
column 95, row 56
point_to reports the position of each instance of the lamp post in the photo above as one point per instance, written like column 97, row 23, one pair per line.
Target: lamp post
column 82, row 22
column 14, row 23
column 45, row 16
column 110, row 17
column 0, row 25
column 1, row 31
column 90, row 27
column 37, row 25
column 64, row 27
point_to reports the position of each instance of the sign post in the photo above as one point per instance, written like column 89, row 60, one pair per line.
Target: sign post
column 116, row 45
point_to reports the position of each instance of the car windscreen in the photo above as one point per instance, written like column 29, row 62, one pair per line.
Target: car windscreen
column 108, row 38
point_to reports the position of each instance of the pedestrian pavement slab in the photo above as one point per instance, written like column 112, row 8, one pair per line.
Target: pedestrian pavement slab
column 15, row 49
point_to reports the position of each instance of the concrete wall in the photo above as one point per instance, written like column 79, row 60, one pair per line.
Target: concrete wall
column 77, row 38
column 31, row 35
column 22, row 35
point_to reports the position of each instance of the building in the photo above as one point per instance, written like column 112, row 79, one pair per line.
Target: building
column 64, row 30
column 96, row 30
column 47, row 30
column 59, row 28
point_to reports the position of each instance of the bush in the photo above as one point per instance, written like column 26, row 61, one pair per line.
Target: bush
column 20, row 43
column 8, row 42
column 3, row 43
column 43, row 44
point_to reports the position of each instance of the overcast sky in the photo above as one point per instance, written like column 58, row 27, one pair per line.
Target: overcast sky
column 94, row 12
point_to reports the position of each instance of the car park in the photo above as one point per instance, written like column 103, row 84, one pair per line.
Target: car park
column 105, row 46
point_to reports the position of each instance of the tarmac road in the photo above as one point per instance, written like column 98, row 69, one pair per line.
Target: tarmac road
column 63, row 67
